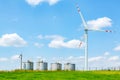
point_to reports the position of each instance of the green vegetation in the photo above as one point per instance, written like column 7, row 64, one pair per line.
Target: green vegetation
column 60, row 75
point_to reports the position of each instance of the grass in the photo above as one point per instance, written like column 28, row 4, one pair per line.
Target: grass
column 60, row 75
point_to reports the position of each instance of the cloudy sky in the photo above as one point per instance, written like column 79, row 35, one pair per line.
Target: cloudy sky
column 52, row 30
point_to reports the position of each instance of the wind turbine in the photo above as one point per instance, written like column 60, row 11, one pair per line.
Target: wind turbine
column 86, row 29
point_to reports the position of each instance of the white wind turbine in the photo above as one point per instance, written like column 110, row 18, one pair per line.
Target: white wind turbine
column 86, row 29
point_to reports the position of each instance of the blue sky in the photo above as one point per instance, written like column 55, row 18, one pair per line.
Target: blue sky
column 52, row 30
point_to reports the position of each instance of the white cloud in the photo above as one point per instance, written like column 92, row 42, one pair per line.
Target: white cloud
column 58, row 41
column 52, row 2
column 98, row 58
column 3, row 59
column 55, row 37
column 12, row 40
column 104, row 61
column 40, row 37
column 99, row 61
column 99, row 23
column 37, row 2
column 38, row 45
column 117, row 48
column 61, row 43
column 114, row 58
column 34, row 2
column 106, row 53
column 70, row 59
column 15, row 57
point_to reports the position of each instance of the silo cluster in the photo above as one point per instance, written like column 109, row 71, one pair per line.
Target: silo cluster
column 43, row 66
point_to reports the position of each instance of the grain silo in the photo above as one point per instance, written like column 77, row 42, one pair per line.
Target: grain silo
column 56, row 66
column 42, row 65
column 28, row 65
column 69, row 66
column 24, row 65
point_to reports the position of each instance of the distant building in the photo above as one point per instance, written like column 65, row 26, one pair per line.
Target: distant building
column 56, row 66
column 28, row 65
column 42, row 65
column 69, row 67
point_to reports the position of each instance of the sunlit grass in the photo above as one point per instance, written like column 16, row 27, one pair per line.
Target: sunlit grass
column 60, row 75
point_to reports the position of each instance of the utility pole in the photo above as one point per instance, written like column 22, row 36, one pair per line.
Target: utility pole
column 21, row 61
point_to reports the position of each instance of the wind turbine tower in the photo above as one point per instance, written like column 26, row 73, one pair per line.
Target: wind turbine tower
column 86, row 29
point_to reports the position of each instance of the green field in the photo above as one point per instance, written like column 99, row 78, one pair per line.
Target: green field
column 60, row 75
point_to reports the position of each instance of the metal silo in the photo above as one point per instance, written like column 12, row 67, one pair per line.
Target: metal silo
column 24, row 65
column 42, row 65
column 29, row 65
column 56, row 66
column 69, row 66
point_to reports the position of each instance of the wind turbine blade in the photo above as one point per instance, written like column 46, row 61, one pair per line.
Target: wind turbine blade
column 83, row 20
column 108, row 31
column 80, row 44
column 100, row 30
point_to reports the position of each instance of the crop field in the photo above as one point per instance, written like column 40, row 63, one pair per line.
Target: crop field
column 60, row 75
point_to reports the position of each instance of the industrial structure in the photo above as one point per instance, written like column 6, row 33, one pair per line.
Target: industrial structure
column 86, row 29
column 29, row 65
column 42, row 65
column 69, row 67
column 56, row 66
